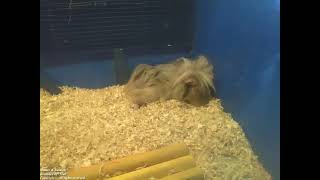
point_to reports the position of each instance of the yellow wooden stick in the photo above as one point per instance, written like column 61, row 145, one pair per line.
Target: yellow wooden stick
column 131, row 163
column 190, row 174
column 159, row 170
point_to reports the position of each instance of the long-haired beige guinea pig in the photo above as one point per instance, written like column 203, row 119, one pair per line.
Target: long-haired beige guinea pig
column 186, row 80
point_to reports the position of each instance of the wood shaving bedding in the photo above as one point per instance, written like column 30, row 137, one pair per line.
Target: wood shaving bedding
column 81, row 127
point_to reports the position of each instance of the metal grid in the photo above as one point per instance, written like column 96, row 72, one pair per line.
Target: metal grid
column 72, row 31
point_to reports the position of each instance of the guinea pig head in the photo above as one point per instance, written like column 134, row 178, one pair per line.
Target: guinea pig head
column 192, row 88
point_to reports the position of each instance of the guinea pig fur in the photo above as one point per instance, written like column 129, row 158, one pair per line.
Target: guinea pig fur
column 186, row 80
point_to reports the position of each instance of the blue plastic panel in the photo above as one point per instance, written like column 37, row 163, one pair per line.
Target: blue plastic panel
column 244, row 39
column 99, row 74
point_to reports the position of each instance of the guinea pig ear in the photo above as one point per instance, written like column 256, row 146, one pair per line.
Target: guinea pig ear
column 202, row 61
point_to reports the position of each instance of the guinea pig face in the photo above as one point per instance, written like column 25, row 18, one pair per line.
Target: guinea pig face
column 191, row 91
column 195, row 94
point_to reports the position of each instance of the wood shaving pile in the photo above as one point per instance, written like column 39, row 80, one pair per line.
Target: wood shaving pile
column 81, row 127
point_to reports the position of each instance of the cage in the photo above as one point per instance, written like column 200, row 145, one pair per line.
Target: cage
column 89, row 48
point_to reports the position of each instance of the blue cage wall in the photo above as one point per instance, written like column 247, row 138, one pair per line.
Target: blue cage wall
column 243, row 38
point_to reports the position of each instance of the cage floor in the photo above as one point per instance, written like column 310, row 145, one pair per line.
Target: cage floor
column 81, row 127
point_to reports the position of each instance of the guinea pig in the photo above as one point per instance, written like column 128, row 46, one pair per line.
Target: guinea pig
column 186, row 80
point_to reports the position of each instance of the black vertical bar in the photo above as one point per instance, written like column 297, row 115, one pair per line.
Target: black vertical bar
column 120, row 66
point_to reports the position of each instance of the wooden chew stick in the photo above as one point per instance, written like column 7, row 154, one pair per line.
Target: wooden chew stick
column 131, row 163
column 159, row 170
column 190, row 174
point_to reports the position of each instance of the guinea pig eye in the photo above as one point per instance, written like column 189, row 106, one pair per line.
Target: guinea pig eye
column 186, row 91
